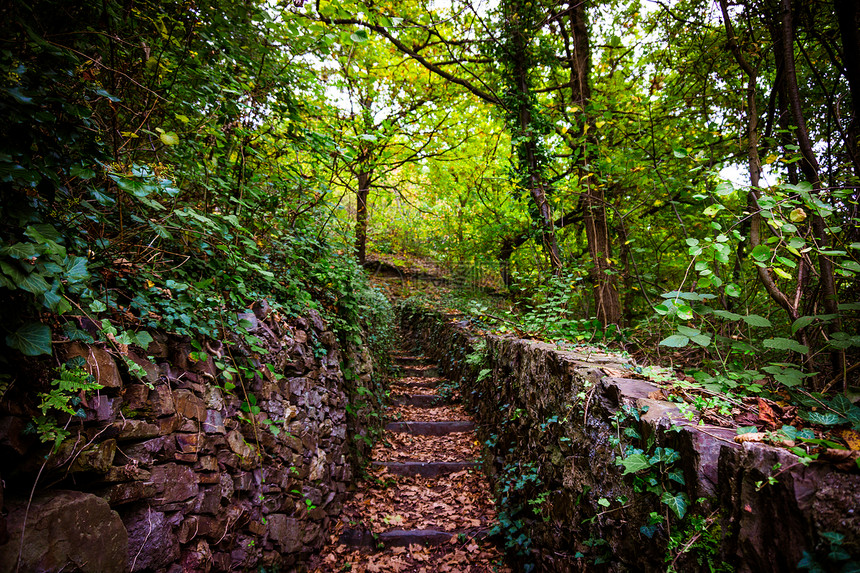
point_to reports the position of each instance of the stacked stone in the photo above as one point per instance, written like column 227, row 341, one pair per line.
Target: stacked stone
column 193, row 482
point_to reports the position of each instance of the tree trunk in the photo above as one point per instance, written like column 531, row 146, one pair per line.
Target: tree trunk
column 361, row 216
column 530, row 158
column 606, row 300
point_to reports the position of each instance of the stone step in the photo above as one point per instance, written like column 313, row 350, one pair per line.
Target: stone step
column 431, row 372
column 431, row 428
column 420, row 400
column 410, row 360
column 420, row 383
column 403, row 537
column 425, row 469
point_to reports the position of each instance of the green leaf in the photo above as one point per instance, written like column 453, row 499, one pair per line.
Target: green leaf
column 713, row 210
column 725, row 188
column 34, row 283
column 841, row 404
column 801, row 322
column 756, row 320
column 169, row 138
column 761, row 253
column 733, row 290
column 727, row 315
column 76, row 269
column 678, row 503
column 675, row 341
column 701, row 339
column 635, row 463
column 32, row 339
column 779, row 343
column 687, row 331
column 823, row 418
column 19, row 251
column 685, row 312
column 143, row 339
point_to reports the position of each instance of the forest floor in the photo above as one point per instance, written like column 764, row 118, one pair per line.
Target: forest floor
column 424, row 504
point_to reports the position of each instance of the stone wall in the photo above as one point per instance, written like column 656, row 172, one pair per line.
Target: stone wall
column 172, row 474
column 548, row 417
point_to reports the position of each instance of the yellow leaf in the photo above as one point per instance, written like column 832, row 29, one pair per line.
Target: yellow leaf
column 782, row 273
column 797, row 215
column 169, row 138
column 852, row 438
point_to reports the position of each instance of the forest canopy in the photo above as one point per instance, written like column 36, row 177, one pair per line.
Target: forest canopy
column 682, row 176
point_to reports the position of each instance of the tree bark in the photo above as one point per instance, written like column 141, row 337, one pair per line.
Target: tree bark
column 361, row 216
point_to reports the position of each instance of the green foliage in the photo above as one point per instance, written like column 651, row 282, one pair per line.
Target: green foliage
column 64, row 400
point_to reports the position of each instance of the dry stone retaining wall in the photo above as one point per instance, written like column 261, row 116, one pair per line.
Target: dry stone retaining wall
column 550, row 412
column 176, row 477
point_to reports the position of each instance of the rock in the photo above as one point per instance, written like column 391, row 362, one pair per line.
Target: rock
column 12, row 434
column 176, row 482
column 189, row 405
column 129, row 429
column 152, row 543
column 252, row 324
column 98, row 458
column 213, row 398
column 287, row 532
column 151, row 371
column 129, row 472
column 208, row 501
column 66, row 531
column 98, row 362
column 128, row 492
column 214, row 422
column 161, row 402
column 102, row 408
column 247, row 453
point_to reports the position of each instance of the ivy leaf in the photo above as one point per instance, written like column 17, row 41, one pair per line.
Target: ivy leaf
column 675, row 341
column 677, row 503
column 823, row 418
column 76, row 269
column 19, row 251
column 34, row 283
column 635, row 463
column 32, row 339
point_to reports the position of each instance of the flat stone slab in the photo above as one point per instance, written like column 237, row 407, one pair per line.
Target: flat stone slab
column 403, row 537
column 431, row 428
column 420, row 382
column 431, row 372
column 420, row 400
column 410, row 360
column 425, row 469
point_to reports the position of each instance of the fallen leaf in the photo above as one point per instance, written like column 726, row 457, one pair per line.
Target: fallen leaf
column 852, row 438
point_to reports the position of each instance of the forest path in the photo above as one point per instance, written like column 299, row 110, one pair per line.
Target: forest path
column 424, row 505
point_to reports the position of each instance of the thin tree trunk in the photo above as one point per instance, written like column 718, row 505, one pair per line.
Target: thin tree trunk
column 361, row 216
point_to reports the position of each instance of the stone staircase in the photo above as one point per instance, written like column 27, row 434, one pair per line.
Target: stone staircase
column 426, row 501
